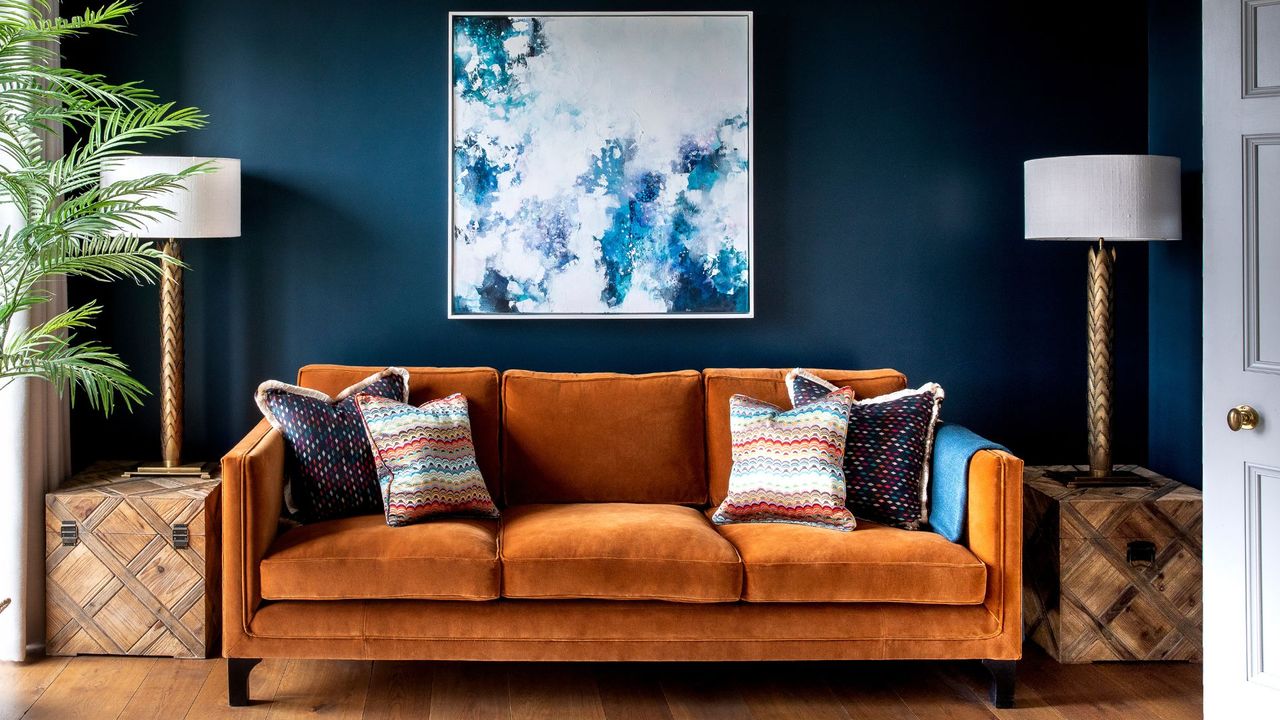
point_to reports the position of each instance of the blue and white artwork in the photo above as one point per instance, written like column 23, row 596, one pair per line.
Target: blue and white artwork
column 601, row 165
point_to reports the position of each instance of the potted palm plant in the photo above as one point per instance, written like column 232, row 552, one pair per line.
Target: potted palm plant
column 64, row 222
column 58, row 218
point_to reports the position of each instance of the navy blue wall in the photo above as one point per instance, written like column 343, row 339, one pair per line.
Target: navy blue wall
column 1174, row 128
column 889, row 145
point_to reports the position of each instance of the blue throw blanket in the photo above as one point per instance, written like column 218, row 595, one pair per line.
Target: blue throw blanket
column 953, row 447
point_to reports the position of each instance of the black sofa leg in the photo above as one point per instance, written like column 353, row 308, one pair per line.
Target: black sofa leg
column 1003, row 681
column 238, row 670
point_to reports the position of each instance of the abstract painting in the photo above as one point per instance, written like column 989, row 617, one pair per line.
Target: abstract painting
column 600, row 165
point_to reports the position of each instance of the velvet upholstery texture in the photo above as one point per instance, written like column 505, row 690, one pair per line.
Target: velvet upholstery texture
column 768, row 384
column 616, row 551
column 602, row 630
column 874, row 563
column 509, row 629
column 364, row 558
column 479, row 384
column 603, row 437
column 252, row 501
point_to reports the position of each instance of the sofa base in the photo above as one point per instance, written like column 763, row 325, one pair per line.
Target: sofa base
column 1003, row 681
column 604, row 630
column 238, row 670
column 612, row 631
column 1003, row 673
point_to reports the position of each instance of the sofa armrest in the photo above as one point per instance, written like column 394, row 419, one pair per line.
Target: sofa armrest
column 252, row 496
column 995, row 536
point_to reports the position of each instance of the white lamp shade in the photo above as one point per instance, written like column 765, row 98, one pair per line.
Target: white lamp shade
column 1114, row 197
column 209, row 207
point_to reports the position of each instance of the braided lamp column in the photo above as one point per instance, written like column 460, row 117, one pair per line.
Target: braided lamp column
column 1102, row 377
column 172, row 357
column 1102, row 198
column 208, row 206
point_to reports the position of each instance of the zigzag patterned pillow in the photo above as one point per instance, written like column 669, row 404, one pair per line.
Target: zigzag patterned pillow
column 887, row 450
column 786, row 464
column 425, row 458
column 330, row 467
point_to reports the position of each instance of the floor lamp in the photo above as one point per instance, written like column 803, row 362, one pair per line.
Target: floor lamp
column 1102, row 199
column 209, row 207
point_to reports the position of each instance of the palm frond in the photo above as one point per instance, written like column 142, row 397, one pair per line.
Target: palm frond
column 104, row 259
column 73, row 224
column 49, row 352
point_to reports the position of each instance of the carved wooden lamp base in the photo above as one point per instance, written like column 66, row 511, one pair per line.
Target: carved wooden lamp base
column 171, row 372
column 1102, row 304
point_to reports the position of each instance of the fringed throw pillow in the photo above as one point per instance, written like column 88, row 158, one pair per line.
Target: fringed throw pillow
column 329, row 464
column 786, row 464
column 887, row 449
column 425, row 459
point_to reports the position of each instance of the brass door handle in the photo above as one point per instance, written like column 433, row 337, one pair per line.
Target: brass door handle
column 1242, row 417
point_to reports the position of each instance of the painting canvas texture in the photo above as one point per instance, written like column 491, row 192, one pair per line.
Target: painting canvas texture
column 601, row 165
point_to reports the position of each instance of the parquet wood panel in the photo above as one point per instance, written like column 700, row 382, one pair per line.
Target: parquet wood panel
column 1089, row 595
column 104, row 688
column 123, row 588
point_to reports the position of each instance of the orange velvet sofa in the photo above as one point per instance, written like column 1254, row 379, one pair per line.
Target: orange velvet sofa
column 605, row 550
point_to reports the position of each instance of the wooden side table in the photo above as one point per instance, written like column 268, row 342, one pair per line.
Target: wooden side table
column 132, row 564
column 1112, row 573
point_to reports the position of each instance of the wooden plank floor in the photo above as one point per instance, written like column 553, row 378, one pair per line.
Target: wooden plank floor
column 101, row 688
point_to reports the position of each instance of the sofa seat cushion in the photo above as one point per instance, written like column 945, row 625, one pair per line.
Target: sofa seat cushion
column 362, row 558
column 874, row 563
column 616, row 551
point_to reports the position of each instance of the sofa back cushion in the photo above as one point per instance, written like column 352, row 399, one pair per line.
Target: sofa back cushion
column 479, row 384
column 769, row 385
column 603, row 437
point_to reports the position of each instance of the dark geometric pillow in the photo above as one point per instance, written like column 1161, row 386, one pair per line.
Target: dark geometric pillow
column 328, row 460
column 887, row 450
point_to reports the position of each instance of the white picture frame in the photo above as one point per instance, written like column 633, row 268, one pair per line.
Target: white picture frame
column 457, row 306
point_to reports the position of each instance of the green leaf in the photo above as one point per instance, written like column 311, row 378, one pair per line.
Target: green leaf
column 73, row 225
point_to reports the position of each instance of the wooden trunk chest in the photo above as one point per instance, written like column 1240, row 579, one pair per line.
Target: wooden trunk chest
column 132, row 564
column 1112, row 573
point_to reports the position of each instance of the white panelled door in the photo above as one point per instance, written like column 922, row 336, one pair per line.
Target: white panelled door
column 1241, row 358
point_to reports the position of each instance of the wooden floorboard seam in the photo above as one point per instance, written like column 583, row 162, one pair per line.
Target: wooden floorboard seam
column 129, row 688
column 45, row 688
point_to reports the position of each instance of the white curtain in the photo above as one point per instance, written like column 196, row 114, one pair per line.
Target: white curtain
column 34, row 458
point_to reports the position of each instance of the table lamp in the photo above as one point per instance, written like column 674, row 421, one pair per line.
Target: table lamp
column 208, row 206
column 1102, row 199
